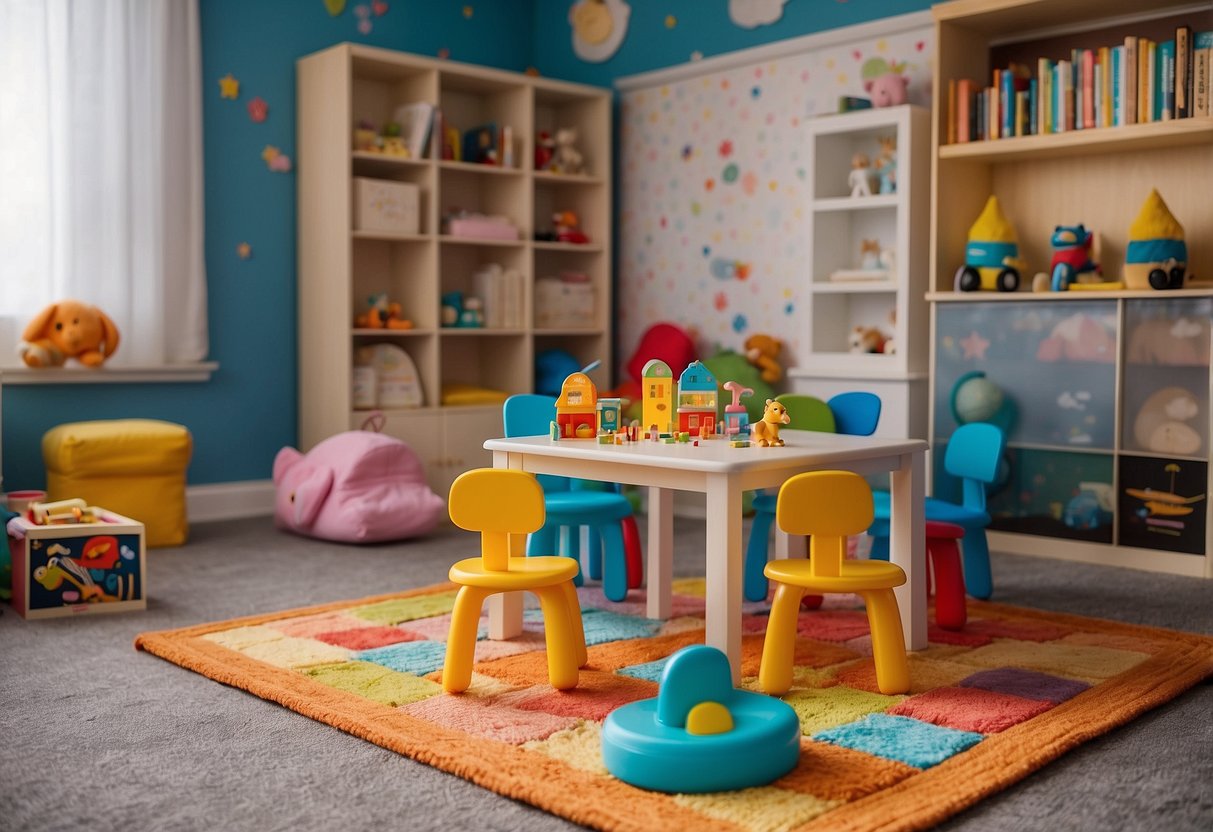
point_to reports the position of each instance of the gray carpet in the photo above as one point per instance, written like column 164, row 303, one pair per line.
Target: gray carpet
column 94, row 734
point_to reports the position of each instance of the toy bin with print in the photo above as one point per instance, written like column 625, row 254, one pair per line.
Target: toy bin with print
column 78, row 568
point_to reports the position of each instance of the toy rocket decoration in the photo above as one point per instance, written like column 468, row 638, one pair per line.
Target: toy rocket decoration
column 1156, row 257
column 992, row 254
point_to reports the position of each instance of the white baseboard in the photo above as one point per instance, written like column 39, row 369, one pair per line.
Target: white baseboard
column 229, row 500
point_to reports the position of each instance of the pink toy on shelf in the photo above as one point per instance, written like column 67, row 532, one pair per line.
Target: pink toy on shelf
column 481, row 226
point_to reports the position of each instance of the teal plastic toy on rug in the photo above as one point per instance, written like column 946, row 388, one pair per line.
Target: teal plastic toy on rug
column 700, row 734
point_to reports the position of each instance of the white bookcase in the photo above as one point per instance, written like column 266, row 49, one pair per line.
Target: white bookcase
column 838, row 295
column 340, row 267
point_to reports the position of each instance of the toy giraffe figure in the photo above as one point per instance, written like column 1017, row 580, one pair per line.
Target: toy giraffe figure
column 766, row 431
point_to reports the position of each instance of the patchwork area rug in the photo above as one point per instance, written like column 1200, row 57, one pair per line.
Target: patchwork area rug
column 988, row 705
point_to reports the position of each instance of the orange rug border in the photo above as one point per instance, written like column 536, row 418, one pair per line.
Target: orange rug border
column 996, row 763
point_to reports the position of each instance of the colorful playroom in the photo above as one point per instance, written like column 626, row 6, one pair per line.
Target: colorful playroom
column 753, row 415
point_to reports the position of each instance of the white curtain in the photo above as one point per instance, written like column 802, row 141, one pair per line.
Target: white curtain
column 101, row 170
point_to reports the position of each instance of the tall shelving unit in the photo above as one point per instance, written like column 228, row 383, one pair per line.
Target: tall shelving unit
column 340, row 267
column 836, row 298
column 1082, row 367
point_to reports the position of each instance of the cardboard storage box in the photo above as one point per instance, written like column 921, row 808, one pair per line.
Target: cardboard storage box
column 384, row 205
column 79, row 568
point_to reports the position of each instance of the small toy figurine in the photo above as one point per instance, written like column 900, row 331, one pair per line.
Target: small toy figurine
column 763, row 352
column 567, row 228
column 545, row 149
column 472, row 316
column 566, row 157
column 736, row 417
column 700, row 734
column 869, row 255
column 766, row 431
column 452, row 308
column 884, row 82
column 697, row 396
column 1156, row 256
column 1071, row 256
column 858, row 179
column 383, row 314
column 992, row 255
column 886, row 165
column 866, row 339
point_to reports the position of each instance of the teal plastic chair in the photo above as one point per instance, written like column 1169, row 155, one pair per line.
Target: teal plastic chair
column 806, row 413
column 856, row 413
column 572, row 503
column 972, row 455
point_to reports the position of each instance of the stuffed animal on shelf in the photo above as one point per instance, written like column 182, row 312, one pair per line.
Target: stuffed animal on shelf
column 866, row 339
column 763, row 352
column 884, row 82
column 68, row 329
column 886, row 165
column 566, row 157
column 383, row 314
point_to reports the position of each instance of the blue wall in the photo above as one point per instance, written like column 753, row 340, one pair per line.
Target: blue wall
column 247, row 412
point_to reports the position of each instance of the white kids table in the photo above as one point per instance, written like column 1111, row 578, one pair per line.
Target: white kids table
column 724, row 473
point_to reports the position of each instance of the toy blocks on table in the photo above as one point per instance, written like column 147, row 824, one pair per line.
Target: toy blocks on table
column 78, row 568
column 136, row 467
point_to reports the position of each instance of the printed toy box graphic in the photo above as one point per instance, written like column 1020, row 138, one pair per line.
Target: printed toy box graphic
column 78, row 568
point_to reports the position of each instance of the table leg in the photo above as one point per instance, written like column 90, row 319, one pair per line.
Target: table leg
column 907, row 546
column 505, row 608
column 660, row 571
column 724, row 575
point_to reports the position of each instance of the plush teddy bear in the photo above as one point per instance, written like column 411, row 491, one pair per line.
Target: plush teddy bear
column 865, row 339
column 566, row 157
column 68, row 329
column 763, row 352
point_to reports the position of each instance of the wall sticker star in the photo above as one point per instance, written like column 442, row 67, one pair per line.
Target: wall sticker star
column 229, row 87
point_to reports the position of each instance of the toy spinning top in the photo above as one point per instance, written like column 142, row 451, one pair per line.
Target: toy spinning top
column 700, row 734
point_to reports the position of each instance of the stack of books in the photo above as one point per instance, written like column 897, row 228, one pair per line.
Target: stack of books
column 1134, row 82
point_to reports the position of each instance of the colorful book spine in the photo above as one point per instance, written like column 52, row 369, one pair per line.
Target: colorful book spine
column 951, row 122
column 1117, row 85
column 964, row 104
column 1097, row 96
column 1200, row 82
column 1164, row 80
column 1129, row 80
column 1145, row 86
column 1105, row 87
column 1086, row 58
column 1044, row 72
column 1183, row 72
column 1034, row 107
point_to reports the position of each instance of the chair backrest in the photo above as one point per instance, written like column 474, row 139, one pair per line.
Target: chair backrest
column 973, row 454
column 497, row 502
column 829, row 506
column 856, row 413
column 531, row 414
column 807, row 412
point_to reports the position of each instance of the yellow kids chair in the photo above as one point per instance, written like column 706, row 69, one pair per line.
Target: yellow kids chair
column 505, row 506
column 829, row 506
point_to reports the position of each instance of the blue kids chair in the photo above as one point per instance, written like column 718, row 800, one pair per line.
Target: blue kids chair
column 806, row 413
column 856, row 413
column 972, row 455
column 575, row 503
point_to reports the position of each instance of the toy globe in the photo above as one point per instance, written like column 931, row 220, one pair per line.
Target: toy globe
column 977, row 399
column 700, row 734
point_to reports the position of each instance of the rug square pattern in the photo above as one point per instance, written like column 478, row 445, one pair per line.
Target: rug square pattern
column 906, row 740
column 381, row 661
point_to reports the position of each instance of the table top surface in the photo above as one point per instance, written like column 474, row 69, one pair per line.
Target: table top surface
column 716, row 455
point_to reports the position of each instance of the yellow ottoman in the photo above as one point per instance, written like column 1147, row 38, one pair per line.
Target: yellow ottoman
column 134, row 467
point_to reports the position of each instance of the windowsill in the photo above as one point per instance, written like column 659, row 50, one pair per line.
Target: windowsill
column 75, row 374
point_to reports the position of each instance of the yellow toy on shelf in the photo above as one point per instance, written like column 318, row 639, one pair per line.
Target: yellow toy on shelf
column 992, row 255
column 505, row 506
column 1156, row 257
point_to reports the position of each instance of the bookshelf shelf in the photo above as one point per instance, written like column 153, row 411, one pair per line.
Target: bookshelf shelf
column 1158, row 135
column 857, row 203
column 487, row 170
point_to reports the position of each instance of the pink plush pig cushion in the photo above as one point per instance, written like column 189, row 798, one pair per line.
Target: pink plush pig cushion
column 355, row 487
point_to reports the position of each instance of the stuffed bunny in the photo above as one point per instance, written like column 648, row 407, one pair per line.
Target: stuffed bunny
column 68, row 329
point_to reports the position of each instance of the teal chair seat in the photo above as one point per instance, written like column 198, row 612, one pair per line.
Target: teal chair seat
column 972, row 455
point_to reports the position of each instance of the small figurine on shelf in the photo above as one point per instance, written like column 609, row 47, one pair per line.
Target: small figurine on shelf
column 992, row 254
column 858, row 179
column 568, row 228
column 365, row 137
column 472, row 316
column 1073, row 247
column 383, row 314
column 1156, row 257
column 393, row 141
column 869, row 255
column 866, row 339
column 566, row 158
column 886, row 165
column 452, row 308
column 545, row 149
